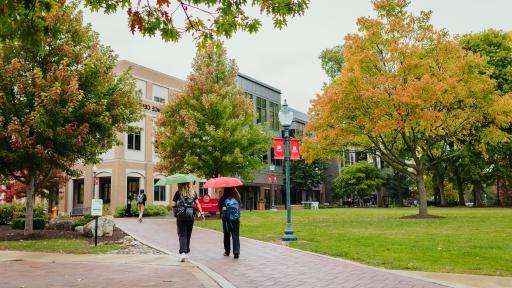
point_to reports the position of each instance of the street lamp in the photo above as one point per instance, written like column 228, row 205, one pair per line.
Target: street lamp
column 286, row 118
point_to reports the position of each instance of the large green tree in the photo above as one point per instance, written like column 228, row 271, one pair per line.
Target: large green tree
column 203, row 19
column 307, row 176
column 331, row 60
column 209, row 127
column 359, row 179
column 490, row 160
column 60, row 101
column 406, row 90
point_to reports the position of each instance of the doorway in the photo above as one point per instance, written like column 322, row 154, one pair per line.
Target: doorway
column 132, row 187
column 78, row 193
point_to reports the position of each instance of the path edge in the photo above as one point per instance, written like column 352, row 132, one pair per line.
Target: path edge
column 221, row 281
column 396, row 272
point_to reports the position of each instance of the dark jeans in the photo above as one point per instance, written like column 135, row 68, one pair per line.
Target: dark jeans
column 231, row 230
column 184, row 233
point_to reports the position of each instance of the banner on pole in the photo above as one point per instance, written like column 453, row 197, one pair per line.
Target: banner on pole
column 279, row 148
column 294, row 149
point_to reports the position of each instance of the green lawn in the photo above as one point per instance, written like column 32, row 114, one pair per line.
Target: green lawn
column 468, row 240
column 57, row 245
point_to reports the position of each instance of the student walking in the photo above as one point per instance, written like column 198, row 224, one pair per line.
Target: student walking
column 184, row 212
column 141, row 203
column 229, row 205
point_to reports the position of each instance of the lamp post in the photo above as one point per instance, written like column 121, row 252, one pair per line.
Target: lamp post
column 272, row 182
column 286, row 118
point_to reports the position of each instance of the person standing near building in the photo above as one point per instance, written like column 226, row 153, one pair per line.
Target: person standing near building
column 229, row 207
column 184, row 211
column 141, row 202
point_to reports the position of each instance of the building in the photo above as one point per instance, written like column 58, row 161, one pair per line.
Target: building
column 131, row 166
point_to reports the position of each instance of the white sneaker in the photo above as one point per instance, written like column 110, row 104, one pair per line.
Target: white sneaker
column 186, row 256
column 183, row 256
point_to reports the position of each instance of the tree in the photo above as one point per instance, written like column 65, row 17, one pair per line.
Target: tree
column 496, row 47
column 361, row 179
column 406, row 90
column 209, row 127
column 204, row 19
column 60, row 102
column 307, row 176
column 332, row 61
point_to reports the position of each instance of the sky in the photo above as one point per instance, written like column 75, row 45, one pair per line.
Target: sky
column 288, row 59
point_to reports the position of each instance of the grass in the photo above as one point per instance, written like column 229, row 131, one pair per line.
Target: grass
column 468, row 240
column 57, row 246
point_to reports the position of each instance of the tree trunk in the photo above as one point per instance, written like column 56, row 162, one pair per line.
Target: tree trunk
column 477, row 194
column 439, row 186
column 380, row 198
column 29, row 214
column 420, row 182
column 460, row 187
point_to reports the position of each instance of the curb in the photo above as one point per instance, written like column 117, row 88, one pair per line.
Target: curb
column 221, row 281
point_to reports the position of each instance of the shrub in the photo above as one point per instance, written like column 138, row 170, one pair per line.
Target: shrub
column 149, row 210
column 82, row 221
column 19, row 223
column 17, row 211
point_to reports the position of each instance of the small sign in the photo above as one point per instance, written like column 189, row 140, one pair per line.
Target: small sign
column 279, row 148
column 96, row 180
column 209, row 204
column 97, row 207
column 294, row 149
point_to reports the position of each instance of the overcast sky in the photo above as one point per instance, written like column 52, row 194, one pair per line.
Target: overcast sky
column 288, row 59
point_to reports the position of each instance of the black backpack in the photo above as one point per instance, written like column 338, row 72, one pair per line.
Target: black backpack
column 185, row 208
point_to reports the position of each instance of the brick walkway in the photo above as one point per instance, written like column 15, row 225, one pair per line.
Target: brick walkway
column 267, row 265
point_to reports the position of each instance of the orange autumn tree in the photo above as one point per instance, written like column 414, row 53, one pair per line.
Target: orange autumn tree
column 406, row 91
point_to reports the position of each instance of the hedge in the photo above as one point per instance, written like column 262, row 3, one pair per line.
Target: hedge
column 149, row 210
column 10, row 211
column 19, row 223
column 82, row 221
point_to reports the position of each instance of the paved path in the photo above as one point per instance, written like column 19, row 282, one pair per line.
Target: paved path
column 42, row 270
column 267, row 265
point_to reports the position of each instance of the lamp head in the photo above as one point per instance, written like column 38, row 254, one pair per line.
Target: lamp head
column 285, row 115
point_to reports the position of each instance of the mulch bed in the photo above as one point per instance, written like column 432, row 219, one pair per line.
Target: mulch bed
column 417, row 216
column 9, row 234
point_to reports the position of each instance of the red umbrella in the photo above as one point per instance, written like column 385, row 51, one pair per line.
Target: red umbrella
column 222, row 182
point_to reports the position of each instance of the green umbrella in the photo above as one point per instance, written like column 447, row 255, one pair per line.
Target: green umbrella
column 177, row 178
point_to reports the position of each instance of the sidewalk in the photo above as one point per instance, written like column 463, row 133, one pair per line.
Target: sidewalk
column 34, row 270
column 264, row 264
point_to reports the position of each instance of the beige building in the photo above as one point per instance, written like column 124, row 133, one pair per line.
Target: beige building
column 131, row 166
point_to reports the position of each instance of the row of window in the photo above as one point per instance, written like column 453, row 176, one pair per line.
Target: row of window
column 160, row 93
column 261, row 112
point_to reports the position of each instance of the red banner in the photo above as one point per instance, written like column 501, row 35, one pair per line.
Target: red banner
column 279, row 148
column 294, row 149
column 209, row 204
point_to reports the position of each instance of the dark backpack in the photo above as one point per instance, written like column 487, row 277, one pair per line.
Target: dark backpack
column 185, row 208
column 232, row 211
column 140, row 198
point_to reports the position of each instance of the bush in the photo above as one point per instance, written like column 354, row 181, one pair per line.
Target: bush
column 82, row 221
column 149, row 210
column 19, row 223
column 11, row 211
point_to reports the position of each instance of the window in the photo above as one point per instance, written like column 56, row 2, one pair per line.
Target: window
column 159, row 192
column 141, row 85
column 274, row 116
column 160, row 93
column 202, row 191
column 261, row 110
column 105, row 189
column 134, row 141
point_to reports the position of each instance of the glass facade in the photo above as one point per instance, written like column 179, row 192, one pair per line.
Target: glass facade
column 261, row 110
column 274, row 116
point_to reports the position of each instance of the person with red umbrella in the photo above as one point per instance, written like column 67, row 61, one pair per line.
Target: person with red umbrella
column 229, row 205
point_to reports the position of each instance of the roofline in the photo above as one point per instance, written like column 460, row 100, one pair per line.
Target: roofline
column 150, row 69
column 259, row 82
